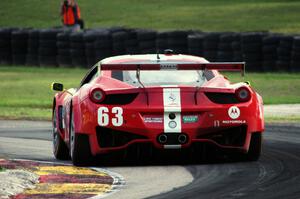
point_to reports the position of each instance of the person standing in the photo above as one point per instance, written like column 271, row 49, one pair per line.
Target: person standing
column 70, row 13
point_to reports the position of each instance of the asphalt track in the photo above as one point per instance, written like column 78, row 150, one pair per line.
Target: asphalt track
column 32, row 140
column 275, row 175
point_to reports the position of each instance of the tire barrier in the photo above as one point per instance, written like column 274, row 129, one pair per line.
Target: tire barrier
column 117, row 41
column 262, row 51
column 195, row 44
column 63, row 49
column 47, row 47
column 211, row 45
column 132, row 43
column 19, row 40
column 237, row 48
column 77, row 49
column 177, row 41
column 225, row 50
column 146, row 41
column 5, row 46
column 284, row 52
column 161, row 41
column 269, row 52
column 103, row 45
column 32, row 57
column 252, row 50
column 295, row 56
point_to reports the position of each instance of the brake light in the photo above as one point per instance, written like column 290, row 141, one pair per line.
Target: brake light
column 97, row 95
column 243, row 94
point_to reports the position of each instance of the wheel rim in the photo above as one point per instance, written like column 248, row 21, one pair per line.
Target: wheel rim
column 54, row 131
column 72, row 136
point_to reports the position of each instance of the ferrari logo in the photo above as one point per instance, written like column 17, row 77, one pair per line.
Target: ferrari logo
column 172, row 97
column 234, row 112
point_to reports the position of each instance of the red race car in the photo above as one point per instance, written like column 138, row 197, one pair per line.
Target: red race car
column 165, row 101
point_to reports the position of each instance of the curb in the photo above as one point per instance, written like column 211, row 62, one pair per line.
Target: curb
column 57, row 180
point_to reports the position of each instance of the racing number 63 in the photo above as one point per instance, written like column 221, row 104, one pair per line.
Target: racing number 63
column 103, row 116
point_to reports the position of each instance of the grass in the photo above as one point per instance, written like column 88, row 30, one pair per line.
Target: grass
column 25, row 91
column 279, row 119
column 2, row 169
column 275, row 88
column 207, row 15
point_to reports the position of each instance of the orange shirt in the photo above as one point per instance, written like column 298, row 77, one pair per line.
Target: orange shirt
column 70, row 14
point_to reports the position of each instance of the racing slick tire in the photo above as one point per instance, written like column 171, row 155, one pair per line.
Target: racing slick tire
column 80, row 151
column 60, row 149
column 255, row 147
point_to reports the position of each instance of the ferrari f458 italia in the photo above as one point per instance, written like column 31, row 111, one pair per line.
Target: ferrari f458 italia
column 165, row 101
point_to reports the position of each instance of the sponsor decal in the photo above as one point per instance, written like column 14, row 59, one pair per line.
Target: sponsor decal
column 153, row 119
column 190, row 118
column 168, row 66
column 233, row 121
column 234, row 112
column 216, row 123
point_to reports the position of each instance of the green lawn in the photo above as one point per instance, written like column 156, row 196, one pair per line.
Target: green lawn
column 280, row 119
column 207, row 15
column 275, row 88
column 25, row 91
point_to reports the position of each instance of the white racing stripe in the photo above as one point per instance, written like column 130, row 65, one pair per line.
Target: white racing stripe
column 172, row 104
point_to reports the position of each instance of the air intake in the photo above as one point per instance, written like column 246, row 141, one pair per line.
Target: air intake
column 119, row 99
column 222, row 98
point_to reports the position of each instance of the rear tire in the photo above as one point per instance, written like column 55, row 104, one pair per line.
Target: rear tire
column 255, row 147
column 80, row 151
column 60, row 149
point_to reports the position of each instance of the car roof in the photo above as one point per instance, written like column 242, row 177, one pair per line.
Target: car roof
column 152, row 58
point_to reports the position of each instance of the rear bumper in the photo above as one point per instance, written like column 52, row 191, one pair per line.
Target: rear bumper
column 203, row 123
column 106, row 140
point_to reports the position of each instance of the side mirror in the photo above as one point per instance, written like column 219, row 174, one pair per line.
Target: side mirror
column 248, row 82
column 57, row 86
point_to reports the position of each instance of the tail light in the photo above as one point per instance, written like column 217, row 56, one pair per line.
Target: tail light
column 97, row 95
column 243, row 94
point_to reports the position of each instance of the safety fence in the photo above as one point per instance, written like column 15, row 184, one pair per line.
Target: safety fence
column 262, row 51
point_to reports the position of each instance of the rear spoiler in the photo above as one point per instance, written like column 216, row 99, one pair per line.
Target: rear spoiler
column 221, row 66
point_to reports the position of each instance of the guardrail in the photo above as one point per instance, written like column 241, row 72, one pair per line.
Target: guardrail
column 262, row 51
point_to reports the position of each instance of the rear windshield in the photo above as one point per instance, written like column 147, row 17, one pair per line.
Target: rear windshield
column 161, row 77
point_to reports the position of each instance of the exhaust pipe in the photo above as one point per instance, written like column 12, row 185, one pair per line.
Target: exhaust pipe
column 162, row 138
column 182, row 138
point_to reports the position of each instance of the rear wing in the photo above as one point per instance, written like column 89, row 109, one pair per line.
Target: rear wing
column 221, row 66
column 138, row 66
